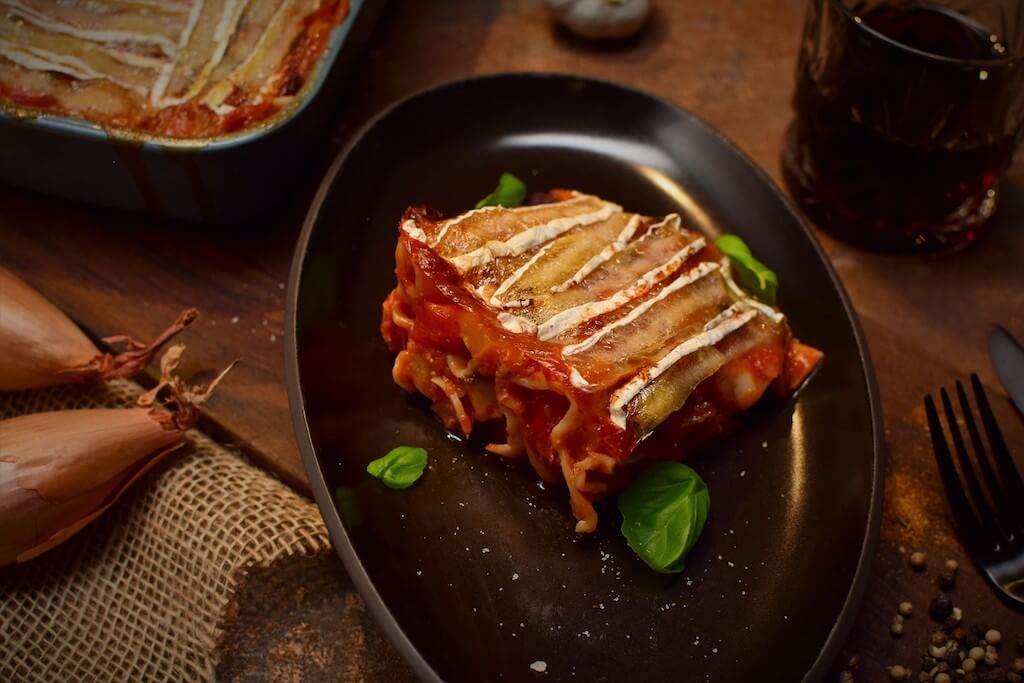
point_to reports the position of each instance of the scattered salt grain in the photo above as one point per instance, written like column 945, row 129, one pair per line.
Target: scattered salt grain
column 234, row 321
column 540, row 666
column 486, row 550
column 515, row 577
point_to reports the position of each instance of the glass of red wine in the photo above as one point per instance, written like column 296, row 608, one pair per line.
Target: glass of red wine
column 907, row 114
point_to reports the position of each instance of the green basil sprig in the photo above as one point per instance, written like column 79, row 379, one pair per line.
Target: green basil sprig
column 663, row 514
column 400, row 468
column 509, row 193
column 753, row 276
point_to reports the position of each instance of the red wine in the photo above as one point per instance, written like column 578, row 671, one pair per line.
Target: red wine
column 934, row 29
column 898, row 148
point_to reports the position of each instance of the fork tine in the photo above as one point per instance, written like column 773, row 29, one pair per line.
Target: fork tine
column 962, row 513
column 1011, row 477
column 998, row 495
column 981, row 505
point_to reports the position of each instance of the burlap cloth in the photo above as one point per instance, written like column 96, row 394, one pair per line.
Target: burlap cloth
column 138, row 595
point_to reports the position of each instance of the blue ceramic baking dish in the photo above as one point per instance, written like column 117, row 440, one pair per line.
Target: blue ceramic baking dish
column 224, row 179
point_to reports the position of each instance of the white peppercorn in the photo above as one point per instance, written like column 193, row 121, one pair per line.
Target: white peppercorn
column 993, row 636
column 917, row 561
column 898, row 673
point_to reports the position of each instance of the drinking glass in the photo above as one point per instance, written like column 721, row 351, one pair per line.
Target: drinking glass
column 906, row 115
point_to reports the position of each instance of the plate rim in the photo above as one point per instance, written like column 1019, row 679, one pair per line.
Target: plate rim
column 385, row 620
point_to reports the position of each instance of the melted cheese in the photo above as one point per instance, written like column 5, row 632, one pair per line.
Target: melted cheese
column 572, row 317
column 527, row 239
column 683, row 280
column 606, row 253
column 716, row 329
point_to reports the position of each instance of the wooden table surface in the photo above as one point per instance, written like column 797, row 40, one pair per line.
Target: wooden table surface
column 732, row 63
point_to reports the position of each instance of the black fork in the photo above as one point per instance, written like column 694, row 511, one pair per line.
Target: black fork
column 988, row 511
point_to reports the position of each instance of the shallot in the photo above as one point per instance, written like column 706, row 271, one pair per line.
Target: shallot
column 60, row 470
column 40, row 346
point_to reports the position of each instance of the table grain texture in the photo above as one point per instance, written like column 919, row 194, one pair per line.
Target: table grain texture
column 730, row 62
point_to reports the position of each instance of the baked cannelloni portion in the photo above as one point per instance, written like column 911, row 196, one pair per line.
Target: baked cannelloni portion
column 572, row 330
column 182, row 68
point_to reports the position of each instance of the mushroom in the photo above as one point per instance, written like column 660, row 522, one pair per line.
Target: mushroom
column 601, row 19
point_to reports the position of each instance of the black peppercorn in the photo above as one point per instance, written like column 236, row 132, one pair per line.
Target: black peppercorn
column 978, row 631
column 940, row 608
column 946, row 581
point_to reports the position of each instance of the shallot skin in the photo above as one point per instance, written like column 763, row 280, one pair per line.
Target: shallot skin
column 60, row 470
column 37, row 340
column 40, row 346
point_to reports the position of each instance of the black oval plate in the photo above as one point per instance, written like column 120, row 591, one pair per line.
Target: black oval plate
column 475, row 573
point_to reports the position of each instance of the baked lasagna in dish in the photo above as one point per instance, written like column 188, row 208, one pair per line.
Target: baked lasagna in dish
column 182, row 68
column 577, row 329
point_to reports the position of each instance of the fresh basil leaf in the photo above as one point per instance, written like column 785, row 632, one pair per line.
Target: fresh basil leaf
column 663, row 514
column 348, row 507
column 400, row 468
column 509, row 193
column 752, row 275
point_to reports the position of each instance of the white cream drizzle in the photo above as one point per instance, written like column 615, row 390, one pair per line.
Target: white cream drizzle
column 135, row 59
column 156, row 95
column 560, row 322
column 495, row 299
column 216, row 96
column 458, row 219
column 514, row 323
column 34, row 17
column 614, row 247
column 578, row 381
column 680, row 282
column 44, row 60
column 222, row 33
column 527, row 239
column 414, row 231
column 730, row 320
column 768, row 311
